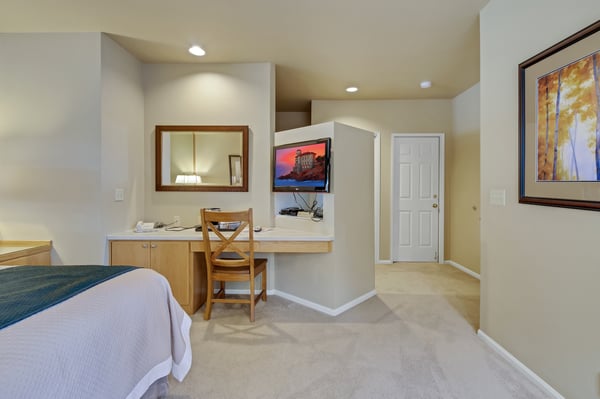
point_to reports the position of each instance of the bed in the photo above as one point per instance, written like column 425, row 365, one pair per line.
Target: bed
column 119, row 338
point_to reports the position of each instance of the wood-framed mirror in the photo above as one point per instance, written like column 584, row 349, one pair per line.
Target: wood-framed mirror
column 201, row 158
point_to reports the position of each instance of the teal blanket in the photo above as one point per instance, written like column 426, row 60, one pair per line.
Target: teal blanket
column 27, row 290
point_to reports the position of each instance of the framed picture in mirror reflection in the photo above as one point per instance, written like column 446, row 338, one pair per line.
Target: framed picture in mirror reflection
column 235, row 170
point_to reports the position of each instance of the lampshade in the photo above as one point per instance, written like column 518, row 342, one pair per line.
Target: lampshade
column 188, row 179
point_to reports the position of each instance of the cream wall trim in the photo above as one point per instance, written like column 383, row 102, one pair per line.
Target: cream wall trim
column 377, row 191
column 520, row 366
column 384, row 262
column 463, row 269
column 324, row 309
column 238, row 291
column 309, row 304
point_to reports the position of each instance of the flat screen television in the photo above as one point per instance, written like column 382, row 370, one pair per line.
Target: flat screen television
column 302, row 166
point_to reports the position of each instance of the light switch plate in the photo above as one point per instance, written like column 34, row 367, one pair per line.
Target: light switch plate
column 498, row 197
column 119, row 194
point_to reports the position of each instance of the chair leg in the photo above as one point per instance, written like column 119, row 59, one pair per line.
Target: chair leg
column 221, row 292
column 209, row 297
column 252, row 300
column 264, row 285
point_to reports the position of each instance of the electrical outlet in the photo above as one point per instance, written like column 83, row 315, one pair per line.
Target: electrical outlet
column 176, row 220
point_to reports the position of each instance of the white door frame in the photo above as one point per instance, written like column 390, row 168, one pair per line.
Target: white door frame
column 442, row 179
column 377, row 194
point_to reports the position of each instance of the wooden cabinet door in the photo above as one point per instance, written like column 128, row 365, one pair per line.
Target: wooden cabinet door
column 130, row 253
column 172, row 260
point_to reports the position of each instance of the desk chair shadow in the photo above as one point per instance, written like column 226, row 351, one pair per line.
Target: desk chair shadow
column 229, row 259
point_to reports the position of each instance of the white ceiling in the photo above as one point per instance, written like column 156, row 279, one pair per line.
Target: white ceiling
column 385, row 47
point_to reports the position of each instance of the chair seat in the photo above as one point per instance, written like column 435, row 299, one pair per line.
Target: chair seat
column 259, row 266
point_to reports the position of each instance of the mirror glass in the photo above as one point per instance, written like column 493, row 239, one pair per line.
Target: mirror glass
column 201, row 158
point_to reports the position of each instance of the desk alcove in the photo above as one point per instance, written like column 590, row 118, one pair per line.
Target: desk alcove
column 327, row 265
column 179, row 255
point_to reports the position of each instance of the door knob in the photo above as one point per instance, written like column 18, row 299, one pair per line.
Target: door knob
column 434, row 205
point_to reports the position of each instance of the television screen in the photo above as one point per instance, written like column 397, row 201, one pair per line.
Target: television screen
column 302, row 166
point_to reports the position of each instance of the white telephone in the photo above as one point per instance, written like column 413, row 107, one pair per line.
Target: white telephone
column 142, row 227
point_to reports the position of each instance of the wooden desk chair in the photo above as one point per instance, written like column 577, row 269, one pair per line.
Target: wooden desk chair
column 228, row 259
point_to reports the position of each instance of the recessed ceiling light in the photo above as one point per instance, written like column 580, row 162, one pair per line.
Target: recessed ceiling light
column 426, row 84
column 197, row 51
column 352, row 89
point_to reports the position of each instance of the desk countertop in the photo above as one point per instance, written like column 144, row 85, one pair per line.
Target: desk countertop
column 267, row 234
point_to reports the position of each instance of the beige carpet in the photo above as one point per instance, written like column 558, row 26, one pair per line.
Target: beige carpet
column 416, row 340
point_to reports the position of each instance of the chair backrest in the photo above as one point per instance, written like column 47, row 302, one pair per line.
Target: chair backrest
column 228, row 241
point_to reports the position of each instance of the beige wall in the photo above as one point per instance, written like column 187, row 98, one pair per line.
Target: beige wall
column 540, row 266
column 291, row 120
column 463, row 216
column 54, row 135
column 122, row 137
column 74, row 131
column 211, row 94
column 387, row 117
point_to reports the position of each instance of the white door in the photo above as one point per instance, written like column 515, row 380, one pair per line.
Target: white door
column 416, row 201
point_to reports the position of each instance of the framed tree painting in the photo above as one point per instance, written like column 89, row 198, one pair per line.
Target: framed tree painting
column 559, row 124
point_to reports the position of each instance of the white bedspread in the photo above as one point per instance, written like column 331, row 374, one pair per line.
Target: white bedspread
column 111, row 341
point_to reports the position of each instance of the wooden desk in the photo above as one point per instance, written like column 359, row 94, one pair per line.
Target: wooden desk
column 20, row 253
column 179, row 255
column 274, row 246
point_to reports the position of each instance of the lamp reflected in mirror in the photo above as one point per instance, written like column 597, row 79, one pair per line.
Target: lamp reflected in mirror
column 193, row 178
column 188, row 179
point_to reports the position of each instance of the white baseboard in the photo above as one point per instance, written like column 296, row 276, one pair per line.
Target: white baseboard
column 324, row 309
column 247, row 291
column 309, row 304
column 520, row 366
column 463, row 269
column 384, row 262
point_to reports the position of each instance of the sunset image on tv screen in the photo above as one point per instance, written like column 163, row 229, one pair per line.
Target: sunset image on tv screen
column 301, row 166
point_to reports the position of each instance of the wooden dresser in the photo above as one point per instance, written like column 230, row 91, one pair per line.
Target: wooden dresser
column 19, row 253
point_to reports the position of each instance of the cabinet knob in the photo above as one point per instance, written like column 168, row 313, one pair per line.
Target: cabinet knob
column 152, row 245
column 144, row 245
